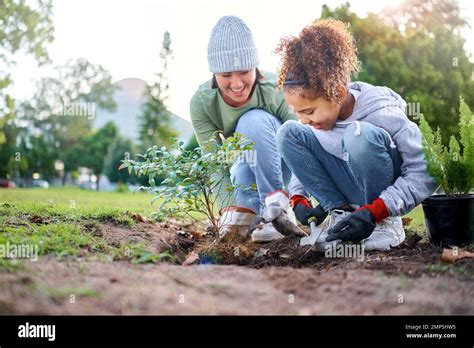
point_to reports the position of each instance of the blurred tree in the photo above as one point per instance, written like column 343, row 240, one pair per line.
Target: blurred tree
column 64, row 106
column 96, row 147
column 9, row 158
column 39, row 157
column 72, row 158
column 417, row 50
column 115, row 156
column 22, row 27
column 155, row 121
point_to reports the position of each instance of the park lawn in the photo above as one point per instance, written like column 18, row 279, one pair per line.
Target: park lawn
column 73, row 201
column 60, row 221
column 81, row 199
column 75, row 205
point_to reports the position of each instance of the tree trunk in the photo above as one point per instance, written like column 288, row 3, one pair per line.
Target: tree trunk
column 63, row 179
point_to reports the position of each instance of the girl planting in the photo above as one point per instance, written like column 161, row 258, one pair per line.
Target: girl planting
column 353, row 149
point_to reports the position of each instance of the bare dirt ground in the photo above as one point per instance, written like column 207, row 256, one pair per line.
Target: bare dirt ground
column 276, row 278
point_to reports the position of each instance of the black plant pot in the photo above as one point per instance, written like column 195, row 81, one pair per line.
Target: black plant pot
column 449, row 220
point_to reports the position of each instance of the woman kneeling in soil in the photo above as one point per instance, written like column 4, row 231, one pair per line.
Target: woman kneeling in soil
column 239, row 98
column 353, row 148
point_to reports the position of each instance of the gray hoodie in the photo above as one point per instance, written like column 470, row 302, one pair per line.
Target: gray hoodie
column 384, row 108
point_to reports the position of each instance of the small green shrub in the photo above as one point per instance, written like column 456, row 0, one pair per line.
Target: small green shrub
column 452, row 167
column 194, row 179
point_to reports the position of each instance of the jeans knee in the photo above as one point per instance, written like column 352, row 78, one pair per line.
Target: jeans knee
column 288, row 131
column 241, row 174
column 253, row 121
column 360, row 138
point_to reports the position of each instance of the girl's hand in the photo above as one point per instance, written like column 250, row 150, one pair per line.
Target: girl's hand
column 355, row 227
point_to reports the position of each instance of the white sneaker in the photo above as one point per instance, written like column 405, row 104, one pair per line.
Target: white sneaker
column 388, row 233
column 331, row 220
column 266, row 233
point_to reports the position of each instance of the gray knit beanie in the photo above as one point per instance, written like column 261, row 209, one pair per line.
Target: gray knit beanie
column 231, row 46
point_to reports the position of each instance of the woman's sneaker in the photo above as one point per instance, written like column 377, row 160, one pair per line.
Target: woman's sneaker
column 388, row 233
column 266, row 233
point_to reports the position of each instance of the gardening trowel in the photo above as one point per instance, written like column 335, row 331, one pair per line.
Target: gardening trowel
column 278, row 216
column 316, row 238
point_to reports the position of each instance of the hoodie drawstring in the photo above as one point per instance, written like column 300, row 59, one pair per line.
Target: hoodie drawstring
column 357, row 131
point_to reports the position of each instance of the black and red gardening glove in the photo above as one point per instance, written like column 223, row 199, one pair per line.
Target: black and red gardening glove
column 303, row 210
column 360, row 224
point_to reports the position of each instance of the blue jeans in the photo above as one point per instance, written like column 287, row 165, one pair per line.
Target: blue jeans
column 268, row 172
column 370, row 164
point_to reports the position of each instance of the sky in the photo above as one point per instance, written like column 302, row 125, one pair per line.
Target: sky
column 125, row 36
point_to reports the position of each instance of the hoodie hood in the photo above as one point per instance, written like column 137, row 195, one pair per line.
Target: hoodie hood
column 373, row 105
column 372, row 99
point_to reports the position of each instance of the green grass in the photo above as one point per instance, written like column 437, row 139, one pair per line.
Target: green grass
column 417, row 216
column 63, row 239
column 59, row 239
column 58, row 222
column 19, row 213
column 78, row 202
column 75, row 198
column 72, row 205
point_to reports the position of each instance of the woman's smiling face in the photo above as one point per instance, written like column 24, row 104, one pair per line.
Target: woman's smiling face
column 235, row 87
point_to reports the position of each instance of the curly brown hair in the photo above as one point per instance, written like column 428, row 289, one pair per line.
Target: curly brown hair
column 321, row 58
